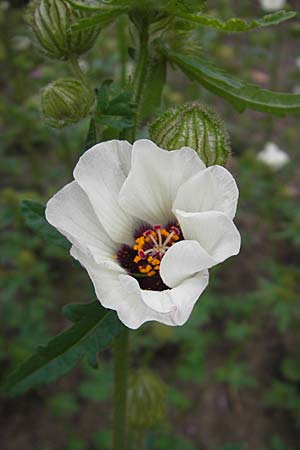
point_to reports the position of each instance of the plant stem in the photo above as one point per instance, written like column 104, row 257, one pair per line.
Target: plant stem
column 120, row 394
column 77, row 70
column 140, row 75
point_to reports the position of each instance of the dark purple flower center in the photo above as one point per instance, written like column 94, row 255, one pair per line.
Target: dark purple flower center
column 142, row 261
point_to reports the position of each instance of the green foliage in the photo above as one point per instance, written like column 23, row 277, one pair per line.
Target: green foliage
column 239, row 93
column 91, row 333
column 113, row 107
column 63, row 404
column 99, row 385
column 284, row 396
column 34, row 216
column 236, row 375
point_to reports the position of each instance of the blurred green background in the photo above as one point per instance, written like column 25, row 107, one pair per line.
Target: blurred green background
column 233, row 371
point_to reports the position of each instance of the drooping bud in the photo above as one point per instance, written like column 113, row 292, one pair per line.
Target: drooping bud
column 146, row 403
column 193, row 125
column 51, row 22
column 66, row 101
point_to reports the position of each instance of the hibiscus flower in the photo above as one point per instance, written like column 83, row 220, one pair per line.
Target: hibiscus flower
column 146, row 224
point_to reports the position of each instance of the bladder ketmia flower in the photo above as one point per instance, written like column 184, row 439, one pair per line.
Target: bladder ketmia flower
column 147, row 224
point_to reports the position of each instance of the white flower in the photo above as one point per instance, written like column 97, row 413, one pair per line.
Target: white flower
column 146, row 224
column 273, row 156
column 272, row 5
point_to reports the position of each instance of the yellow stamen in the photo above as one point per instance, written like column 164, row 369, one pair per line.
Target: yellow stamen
column 150, row 274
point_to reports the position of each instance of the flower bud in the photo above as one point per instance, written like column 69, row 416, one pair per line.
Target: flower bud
column 193, row 125
column 66, row 101
column 51, row 22
column 146, row 401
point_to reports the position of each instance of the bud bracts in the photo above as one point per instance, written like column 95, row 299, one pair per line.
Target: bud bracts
column 51, row 22
column 193, row 125
column 66, row 101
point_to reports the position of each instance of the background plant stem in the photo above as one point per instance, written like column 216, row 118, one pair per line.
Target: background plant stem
column 120, row 393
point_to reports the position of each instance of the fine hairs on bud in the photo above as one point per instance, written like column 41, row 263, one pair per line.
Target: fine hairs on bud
column 66, row 101
column 51, row 22
column 146, row 403
column 195, row 126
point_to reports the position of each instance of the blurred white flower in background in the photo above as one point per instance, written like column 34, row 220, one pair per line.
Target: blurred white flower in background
column 297, row 62
column 272, row 5
column 273, row 156
column 5, row 5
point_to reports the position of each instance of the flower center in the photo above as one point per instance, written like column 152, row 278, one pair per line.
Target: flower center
column 152, row 245
column 143, row 259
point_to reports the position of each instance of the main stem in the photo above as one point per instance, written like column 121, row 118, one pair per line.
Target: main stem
column 140, row 76
column 121, row 352
column 120, row 390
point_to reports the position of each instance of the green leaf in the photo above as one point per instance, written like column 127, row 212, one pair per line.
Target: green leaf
column 91, row 333
column 34, row 216
column 240, row 94
column 235, row 25
column 76, row 311
column 114, row 109
column 118, row 123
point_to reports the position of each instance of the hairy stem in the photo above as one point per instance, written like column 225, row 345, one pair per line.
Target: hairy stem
column 120, row 390
column 140, row 75
column 77, row 70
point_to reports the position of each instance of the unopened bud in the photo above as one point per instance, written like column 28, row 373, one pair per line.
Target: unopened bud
column 51, row 22
column 195, row 126
column 146, row 402
column 66, row 101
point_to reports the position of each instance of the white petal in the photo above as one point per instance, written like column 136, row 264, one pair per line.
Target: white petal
column 183, row 260
column 154, row 178
column 214, row 231
column 101, row 172
column 179, row 300
column 71, row 213
column 213, row 189
column 118, row 291
column 115, row 292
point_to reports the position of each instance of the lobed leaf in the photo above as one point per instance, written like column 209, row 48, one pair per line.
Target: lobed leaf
column 93, row 331
column 236, row 25
column 240, row 94
column 34, row 216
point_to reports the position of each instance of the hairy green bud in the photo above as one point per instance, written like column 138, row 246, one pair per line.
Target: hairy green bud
column 66, row 101
column 146, row 401
column 193, row 125
column 51, row 22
